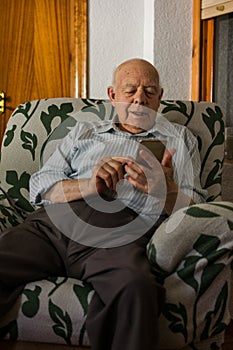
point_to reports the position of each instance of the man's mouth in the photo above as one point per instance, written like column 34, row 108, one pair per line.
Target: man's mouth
column 139, row 114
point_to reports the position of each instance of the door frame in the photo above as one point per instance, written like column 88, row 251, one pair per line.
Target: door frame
column 79, row 39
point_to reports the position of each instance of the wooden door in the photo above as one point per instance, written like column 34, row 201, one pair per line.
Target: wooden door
column 204, row 14
column 42, row 51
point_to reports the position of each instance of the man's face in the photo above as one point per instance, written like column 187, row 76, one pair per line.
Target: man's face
column 136, row 95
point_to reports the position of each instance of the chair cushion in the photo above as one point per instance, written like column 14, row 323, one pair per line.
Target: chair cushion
column 191, row 254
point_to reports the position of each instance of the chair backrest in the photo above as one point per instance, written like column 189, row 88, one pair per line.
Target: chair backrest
column 35, row 124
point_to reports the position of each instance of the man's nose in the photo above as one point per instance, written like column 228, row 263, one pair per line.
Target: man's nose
column 140, row 98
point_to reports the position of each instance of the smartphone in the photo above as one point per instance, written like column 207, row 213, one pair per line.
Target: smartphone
column 157, row 147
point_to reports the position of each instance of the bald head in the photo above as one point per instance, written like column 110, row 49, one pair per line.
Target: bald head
column 136, row 64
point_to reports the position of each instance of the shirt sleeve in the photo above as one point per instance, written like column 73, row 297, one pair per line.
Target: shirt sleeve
column 55, row 169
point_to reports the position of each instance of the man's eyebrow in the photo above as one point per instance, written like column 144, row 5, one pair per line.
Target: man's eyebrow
column 129, row 85
column 135, row 85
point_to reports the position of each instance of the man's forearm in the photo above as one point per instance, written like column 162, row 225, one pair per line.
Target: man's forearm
column 68, row 191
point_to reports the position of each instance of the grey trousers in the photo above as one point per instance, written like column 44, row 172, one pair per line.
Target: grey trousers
column 123, row 313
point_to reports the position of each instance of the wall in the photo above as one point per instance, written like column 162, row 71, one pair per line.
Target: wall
column 159, row 31
column 173, row 46
column 115, row 34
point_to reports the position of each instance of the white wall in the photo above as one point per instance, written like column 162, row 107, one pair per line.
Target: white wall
column 116, row 30
column 173, row 46
column 158, row 30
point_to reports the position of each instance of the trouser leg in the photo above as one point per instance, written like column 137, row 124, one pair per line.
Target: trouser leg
column 124, row 311
column 26, row 254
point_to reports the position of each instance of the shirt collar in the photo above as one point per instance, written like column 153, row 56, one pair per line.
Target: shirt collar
column 160, row 128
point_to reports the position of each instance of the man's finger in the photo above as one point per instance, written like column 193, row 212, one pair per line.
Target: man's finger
column 167, row 157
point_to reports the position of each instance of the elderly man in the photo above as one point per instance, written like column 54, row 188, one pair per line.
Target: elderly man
column 102, row 196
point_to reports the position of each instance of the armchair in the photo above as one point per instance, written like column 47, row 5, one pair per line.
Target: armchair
column 191, row 252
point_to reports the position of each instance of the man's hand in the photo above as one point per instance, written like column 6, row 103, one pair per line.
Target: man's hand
column 107, row 173
column 153, row 178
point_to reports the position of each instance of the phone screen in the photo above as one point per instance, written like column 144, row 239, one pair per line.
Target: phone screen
column 157, row 147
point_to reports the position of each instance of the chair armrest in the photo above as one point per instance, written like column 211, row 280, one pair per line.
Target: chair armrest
column 191, row 254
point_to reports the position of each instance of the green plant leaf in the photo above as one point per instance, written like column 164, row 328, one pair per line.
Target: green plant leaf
column 96, row 107
column 9, row 136
column 207, row 247
column 32, row 305
column 160, row 274
column 214, row 318
column 82, row 293
column 215, row 175
column 64, row 126
column 177, row 315
column 210, row 272
column 180, row 107
column 211, row 119
column 215, row 124
column 187, row 273
column 24, row 109
column 17, row 185
column 198, row 212
column 29, row 142
column 62, row 113
column 63, row 325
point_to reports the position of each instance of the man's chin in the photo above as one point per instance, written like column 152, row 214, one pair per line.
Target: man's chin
column 134, row 128
column 143, row 123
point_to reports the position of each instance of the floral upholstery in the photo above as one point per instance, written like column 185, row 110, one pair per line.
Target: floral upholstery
column 191, row 252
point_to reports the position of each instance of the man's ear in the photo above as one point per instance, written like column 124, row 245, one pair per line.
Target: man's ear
column 161, row 95
column 111, row 94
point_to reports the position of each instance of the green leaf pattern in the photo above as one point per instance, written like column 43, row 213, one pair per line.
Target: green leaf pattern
column 62, row 322
column 177, row 315
column 98, row 108
column 17, row 185
column 53, row 111
column 9, row 136
column 29, row 142
column 179, row 107
column 32, row 305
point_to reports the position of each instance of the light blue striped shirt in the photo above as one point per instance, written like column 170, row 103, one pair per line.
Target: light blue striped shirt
column 88, row 142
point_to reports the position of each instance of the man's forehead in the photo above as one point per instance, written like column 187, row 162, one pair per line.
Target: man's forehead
column 136, row 69
column 130, row 77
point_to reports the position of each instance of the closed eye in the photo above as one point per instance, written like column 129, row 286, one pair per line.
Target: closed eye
column 130, row 92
